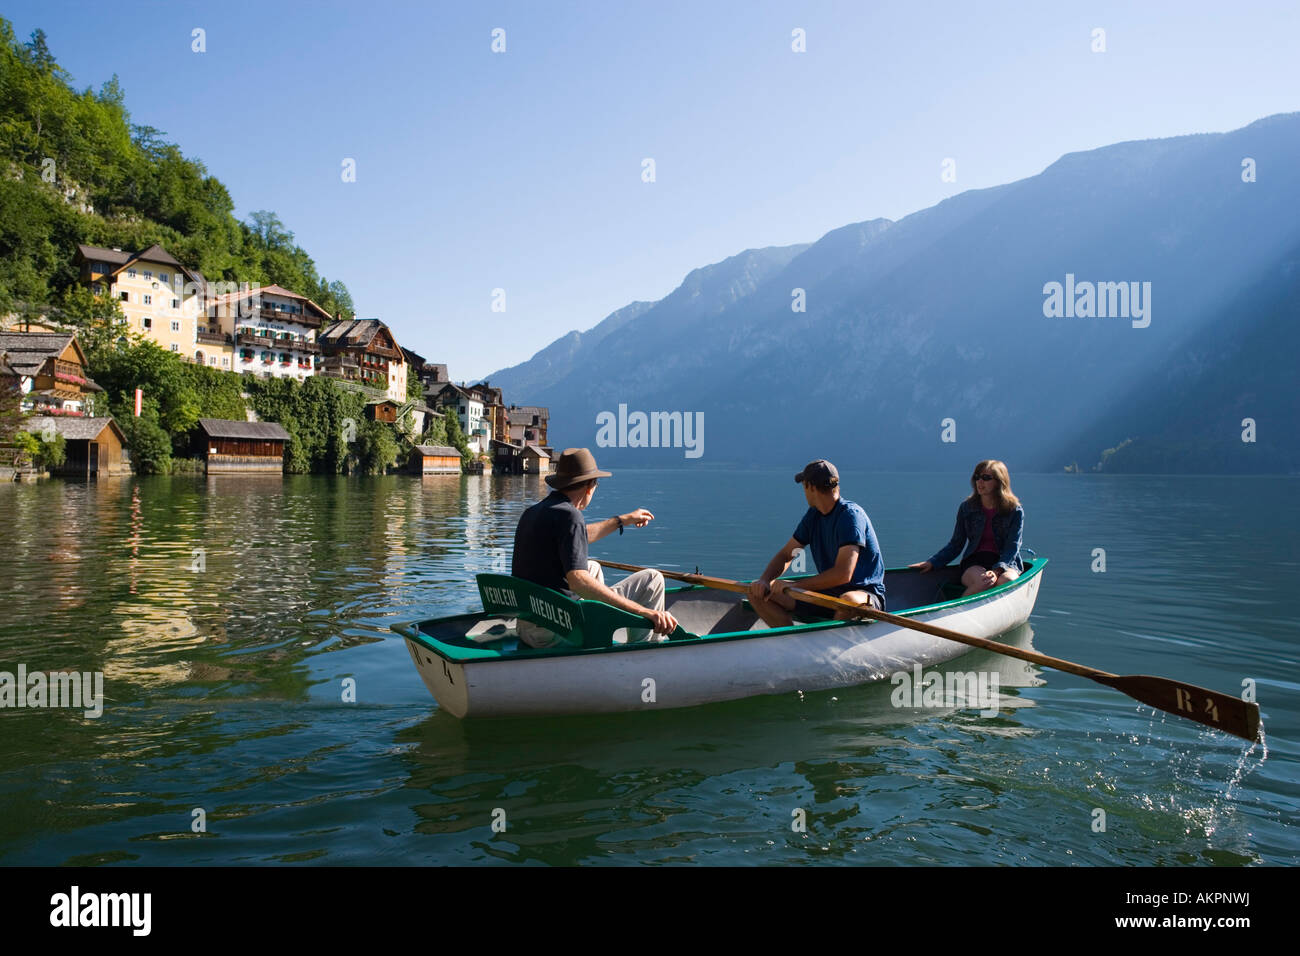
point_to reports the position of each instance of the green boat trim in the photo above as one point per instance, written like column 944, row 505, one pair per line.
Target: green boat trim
column 446, row 636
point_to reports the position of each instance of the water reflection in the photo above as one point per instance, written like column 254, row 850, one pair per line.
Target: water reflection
column 223, row 686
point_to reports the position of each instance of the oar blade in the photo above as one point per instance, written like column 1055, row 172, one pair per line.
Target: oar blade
column 1221, row 711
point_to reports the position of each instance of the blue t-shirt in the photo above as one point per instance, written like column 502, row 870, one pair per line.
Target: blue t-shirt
column 847, row 523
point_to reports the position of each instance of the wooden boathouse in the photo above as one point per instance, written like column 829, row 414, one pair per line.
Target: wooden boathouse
column 93, row 447
column 242, row 446
column 435, row 460
column 536, row 460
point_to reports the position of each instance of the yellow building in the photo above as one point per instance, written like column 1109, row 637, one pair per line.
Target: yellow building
column 159, row 297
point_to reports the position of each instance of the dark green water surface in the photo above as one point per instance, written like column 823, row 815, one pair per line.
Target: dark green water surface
column 224, row 678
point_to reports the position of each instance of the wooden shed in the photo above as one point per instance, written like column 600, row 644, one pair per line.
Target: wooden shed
column 536, row 460
column 242, row 446
column 93, row 447
column 382, row 410
column 435, row 460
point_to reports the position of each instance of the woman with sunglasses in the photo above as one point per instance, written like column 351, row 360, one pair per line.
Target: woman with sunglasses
column 990, row 523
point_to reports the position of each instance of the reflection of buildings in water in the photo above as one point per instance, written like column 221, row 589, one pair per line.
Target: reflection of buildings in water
column 69, row 577
column 135, row 533
column 474, row 509
column 153, row 632
column 395, row 505
column 257, row 529
column 177, row 547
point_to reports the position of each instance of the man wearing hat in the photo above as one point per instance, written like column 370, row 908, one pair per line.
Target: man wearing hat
column 844, row 548
column 551, row 550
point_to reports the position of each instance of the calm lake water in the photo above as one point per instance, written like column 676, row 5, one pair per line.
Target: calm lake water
column 224, row 673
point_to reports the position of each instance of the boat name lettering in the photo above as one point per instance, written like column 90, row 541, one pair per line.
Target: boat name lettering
column 553, row 614
column 501, row 595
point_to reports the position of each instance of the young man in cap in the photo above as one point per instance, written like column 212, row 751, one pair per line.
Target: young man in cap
column 551, row 550
column 844, row 548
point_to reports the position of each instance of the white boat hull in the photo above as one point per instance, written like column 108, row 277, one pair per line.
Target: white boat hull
column 689, row 674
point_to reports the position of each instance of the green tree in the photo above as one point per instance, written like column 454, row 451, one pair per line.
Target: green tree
column 148, row 442
column 11, row 415
column 435, row 431
column 218, row 392
column 377, row 447
column 162, row 377
column 98, row 319
column 322, row 419
column 456, row 437
column 141, row 189
column 32, row 449
column 38, row 54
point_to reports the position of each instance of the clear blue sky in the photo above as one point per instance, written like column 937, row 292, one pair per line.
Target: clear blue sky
column 522, row 170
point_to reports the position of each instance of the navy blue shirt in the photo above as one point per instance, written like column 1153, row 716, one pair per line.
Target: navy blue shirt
column 847, row 523
column 550, row 541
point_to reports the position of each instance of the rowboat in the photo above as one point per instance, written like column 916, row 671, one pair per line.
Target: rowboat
column 476, row 666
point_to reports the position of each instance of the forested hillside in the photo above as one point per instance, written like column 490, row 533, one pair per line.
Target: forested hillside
column 75, row 168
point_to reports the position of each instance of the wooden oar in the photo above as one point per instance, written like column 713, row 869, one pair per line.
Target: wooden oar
column 1220, row 711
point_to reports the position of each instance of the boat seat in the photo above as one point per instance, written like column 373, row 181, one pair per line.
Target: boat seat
column 588, row 624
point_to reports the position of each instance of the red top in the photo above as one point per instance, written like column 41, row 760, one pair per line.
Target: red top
column 987, row 543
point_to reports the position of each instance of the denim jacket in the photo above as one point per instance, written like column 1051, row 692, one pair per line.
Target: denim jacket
column 1007, row 529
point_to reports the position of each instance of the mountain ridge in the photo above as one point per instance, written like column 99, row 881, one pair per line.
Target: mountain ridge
column 940, row 315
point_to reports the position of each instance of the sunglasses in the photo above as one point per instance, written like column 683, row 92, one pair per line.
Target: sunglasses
column 984, row 478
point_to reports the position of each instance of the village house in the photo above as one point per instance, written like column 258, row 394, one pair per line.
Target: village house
column 159, row 297
column 93, row 447
column 423, row 416
column 234, row 446
column 431, row 376
column 469, row 411
column 365, row 352
column 507, row 457
column 269, row 330
column 50, row 371
column 494, row 409
column 528, row 423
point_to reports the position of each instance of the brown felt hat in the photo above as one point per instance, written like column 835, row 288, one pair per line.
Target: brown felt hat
column 575, row 466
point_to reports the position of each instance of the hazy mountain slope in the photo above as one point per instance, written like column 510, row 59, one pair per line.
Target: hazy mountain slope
column 574, row 360
column 941, row 315
column 1187, row 414
column 559, row 358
